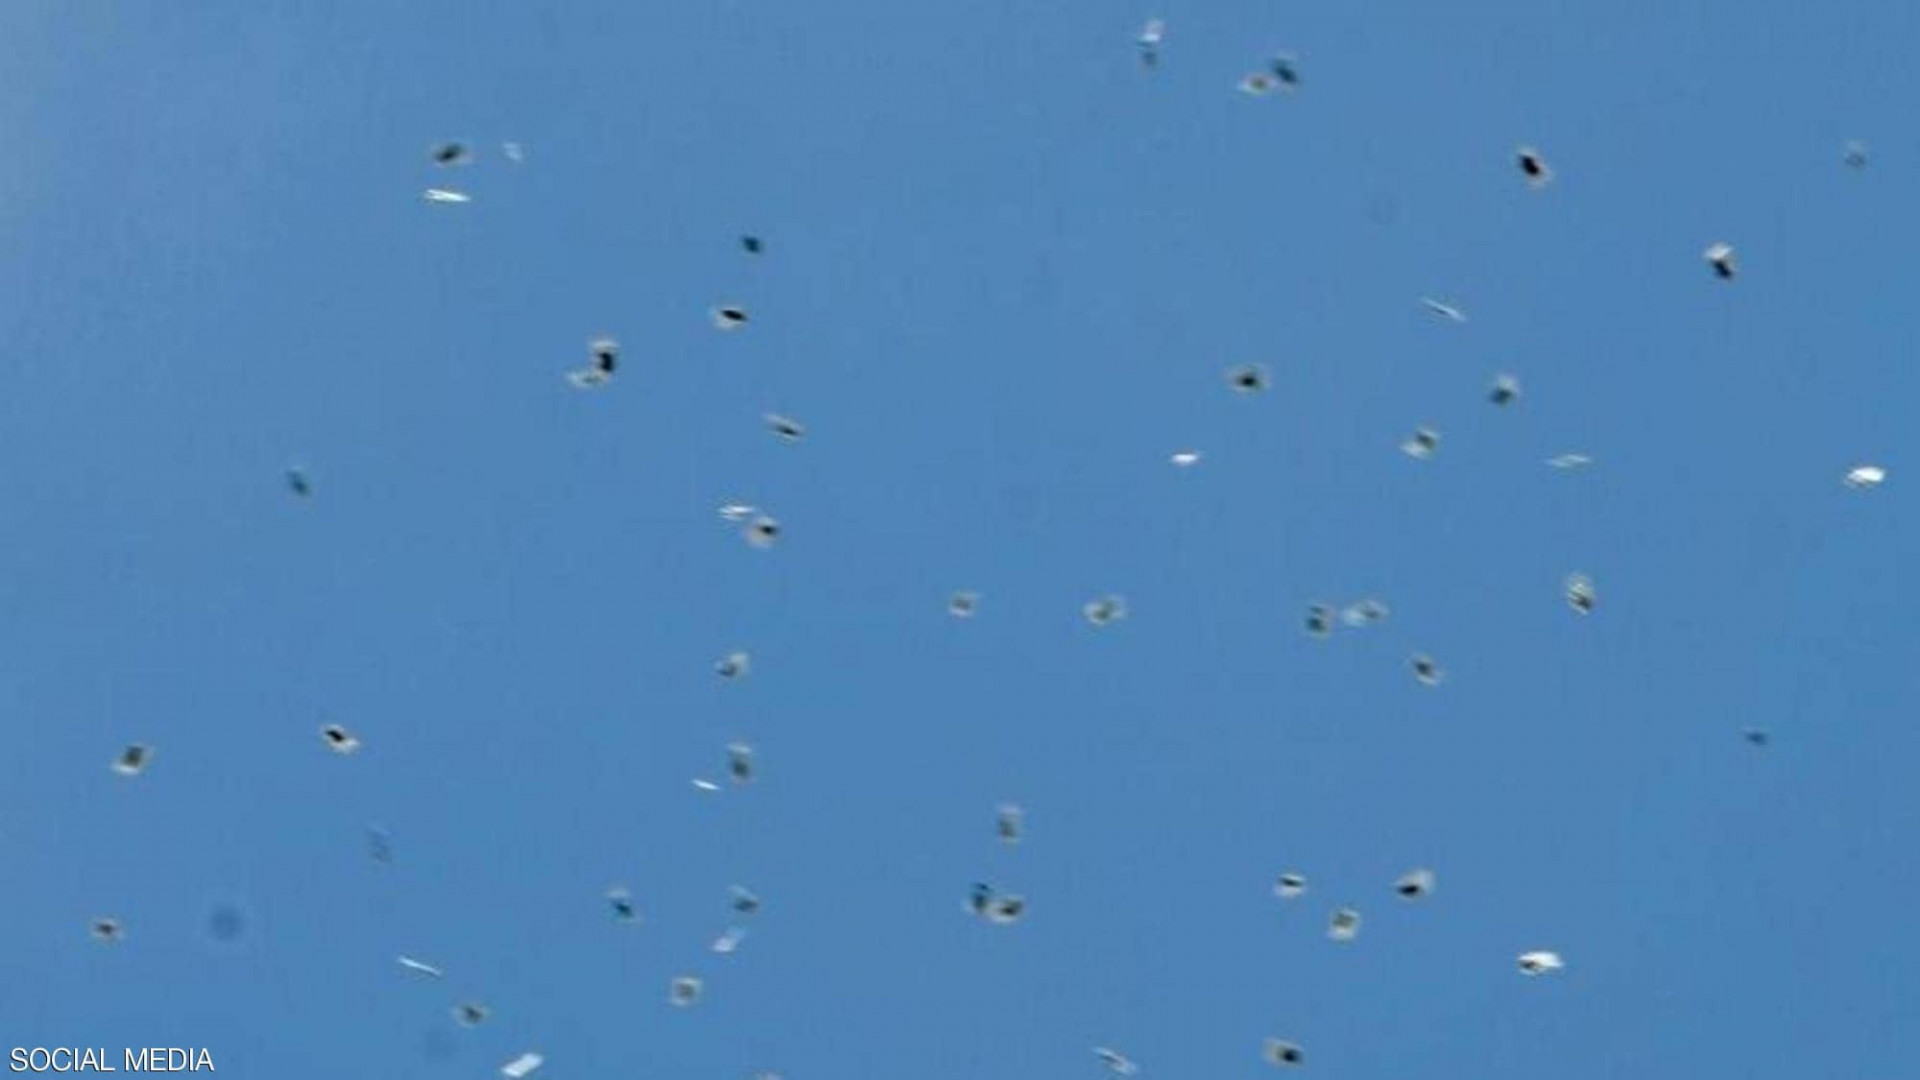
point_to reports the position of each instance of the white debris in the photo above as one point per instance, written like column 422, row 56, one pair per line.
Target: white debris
column 1009, row 823
column 1422, row 444
column 1364, row 614
column 522, row 1065
column 1151, row 35
column 1540, row 962
column 1581, row 595
column 762, row 532
column 1533, row 167
column 133, row 760
column 963, row 605
column 421, row 967
column 734, row 665
column 705, row 785
column 1249, row 378
column 1426, row 669
column 1281, row 1052
column 1720, row 256
column 1344, row 926
column 339, row 739
column 1290, row 885
column 445, row 195
column 1415, row 884
column 735, row 512
column 1186, row 459
column 1569, row 461
column 785, row 428
column 1444, row 310
column 1504, row 391
column 1257, row 84
column 1105, row 610
column 728, row 316
column 1861, row 477
column 1006, row 908
column 1115, row 1061
column 685, row 990
column 727, row 942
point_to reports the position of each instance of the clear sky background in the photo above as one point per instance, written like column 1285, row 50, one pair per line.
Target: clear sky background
column 1005, row 268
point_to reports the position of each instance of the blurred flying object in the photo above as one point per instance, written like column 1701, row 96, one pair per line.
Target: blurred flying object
column 1290, row 885
column 1151, row 35
column 1422, row 444
column 1009, row 822
column 443, row 195
column 106, row 930
column 1720, row 256
column 786, row 428
column 734, row 665
column 379, row 844
column 742, row 901
column 761, row 532
column 1364, row 614
column 339, row 739
column 422, row 968
column 1533, row 167
column 729, row 940
column 740, row 763
column 1855, row 154
column 705, row 785
column 1445, row 311
column 1319, row 620
column 1248, row 378
column 1115, row 1061
column 1285, row 69
column 979, row 897
column 751, row 244
column 1186, row 458
column 728, row 317
column 1258, row 84
column 1426, row 670
column 605, row 358
column 521, row 1066
column 451, row 153
column 684, row 990
column 1581, row 595
column 298, row 483
column 1756, row 736
column 621, row 900
column 1862, row 477
column 133, row 760
column 1415, row 884
column 735, row 512
column 1505, row 390
column 963, row 605
column 514, row 152
column 1105, row 610
column 1344, row 926
column 1569, row 461
column 1006, row 908
column 470, row 1014
column 1540, row 962
column 1281, row 1052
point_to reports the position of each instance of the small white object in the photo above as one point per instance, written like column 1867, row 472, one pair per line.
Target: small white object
column 1865, row 476
column 1115, row 1061
column 1344, row 926
column 1569, row 461
column 1005, row 908
column 736, row 512
column 1422, row 444
column 705, row 785
column 685, row 990
column 133, row 760
column 1186, row 459
column 514, row 152
column 423, row 968
column 1290, row 885
column 1153, row 33
column 1426, row 669
column 445, row 195
column 1257, row 84
column 1444, row 310
column 734, row 665
column 1581, row 595
column 727, row 942
column 963, row 605
column 1540, row 962
column 1105, row 610
column 1720, row 257
column 1364, row 614
column 522, row 1065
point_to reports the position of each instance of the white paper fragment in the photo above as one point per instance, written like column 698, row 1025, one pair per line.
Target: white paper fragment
column 1344, row 926
column 1862, row 477
column 339, row 739
column 1290, row 885
column 728, row 941
column 1280, row 1052
column 1185, row 459
column 734, row 665
column 1581, row 595
column 1151, row 35
column 1720, row 257
column 1504, row 391
column 1533, row 167
column 1006, row 908
column 685, row 990
column 703, row 784
column 620, row 899
column 1115, row 1061
column 1426, row 669
column 736, row 512
column 1249, row 378
column 421, row 967
column 106, row 930
column 963, row 605
column 785, row 428
column 1422, row 444
column 133, row 760
column 444, row 195
column 513, row 152
column 1257, row 84
column 1444, row 310
column 1540, row 962
column 522, row 1065
column 728, row 316
column 1415, row 884
column 1364, row 614
column 762, row 532
column 1569, row 461
column 1009, row 823
column 740, row 763
column 470, row 1014
column 1105, row 610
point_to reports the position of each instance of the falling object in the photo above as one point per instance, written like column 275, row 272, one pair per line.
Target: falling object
column 1569, row 461
column 133, row 760
column 1855, row 154
column 734, row 665
column 740, row 763
column 1151, row 35
column 1009, row 823
column 786, row 428
column 106, row 930
column 298, row 483
column 762, row 532
column 1581, row 595
column 379, row 844
column 1105, row 610
column 1319, row 620
column 1533, row 167
column 735, row 512
column 1422, row 444
column 705, row 785
column 521, row 1066
column 1505, row 390
column 605, row 358
column 621, row 900
column 1415, row 884
column 1364, row 614
column 451, row 153
column 470, row 1014
column 1186, row 459
column 728, row 941
column 1344, row 926
column 1720, row 257
column 685, row 990
column 420, row 967
column 1257, row 84
column 752, row 245
column 742, row 901
column 1281, row 1052
column 514, row 152
column 1756, row 736
column 1862, row 477
column 1248, row 378
column 339, row 739
column 963, row 605
column 1426, row 669
column 1115, row 1061
column 728, row 317
column 1290, row 885
column 443, row 195
column 1444, row 310
column 1285, row 69
column 1540, row 962
column 1006, row 908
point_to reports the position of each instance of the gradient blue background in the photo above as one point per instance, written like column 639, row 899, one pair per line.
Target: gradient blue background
column 1005, row 269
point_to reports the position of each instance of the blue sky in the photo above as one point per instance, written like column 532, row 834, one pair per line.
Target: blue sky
column 1005, row 269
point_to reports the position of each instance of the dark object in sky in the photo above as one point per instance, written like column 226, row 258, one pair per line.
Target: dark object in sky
column 1105, row 610
column 1505, row 391
column 606, row 355
column 785, row 427
column 339, row 739
column 1720, row 256
column 1756, row 736
column 733, row 665
column 107, row 930
column 980, row 896
column 1006, row 908
column 1319, row 620
column 1533, row 166
column 685, row 990
column 1855, row 155
column 379, row 844
column 1290, row 885
column 133, row 760
column 1415, row 884
column 470, row 1014
column 1151, row 35
column 740, row 763
column 1282, row 1052
column 751, row 244
column 963, row 605
column 622, row 903
column 1422, row 444
column 762, row 531
column 452, row 153
column 226, row 922
column 742, row 900
column 298, row 483
column 729, row 317
column 1009, row 823
column 1581, row 595
column 1426, row 670
column 1248, row 378
column 1285, row 70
